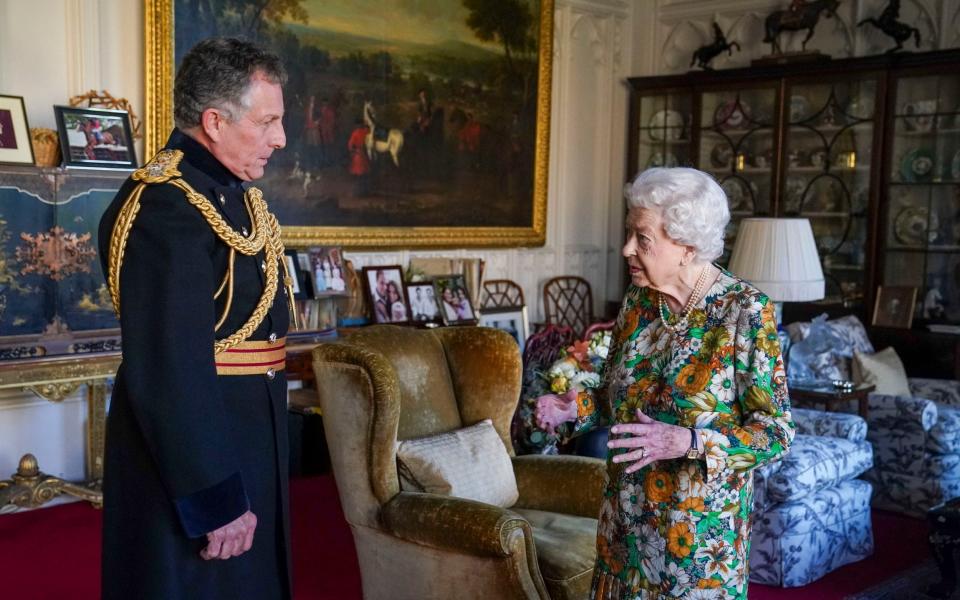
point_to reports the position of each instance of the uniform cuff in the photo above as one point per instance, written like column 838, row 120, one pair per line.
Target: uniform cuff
column 213, row 507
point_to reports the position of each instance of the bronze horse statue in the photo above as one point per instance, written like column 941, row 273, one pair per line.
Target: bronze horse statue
column 704, row 54
column 887, row 22
column 801, row 15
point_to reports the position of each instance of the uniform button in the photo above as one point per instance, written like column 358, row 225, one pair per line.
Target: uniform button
column 271, row 373
column 223, row 199
column 243, row 230
column 272, row 338
column 263, row 265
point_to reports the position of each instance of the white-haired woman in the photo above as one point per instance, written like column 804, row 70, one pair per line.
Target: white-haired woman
column 695, row 391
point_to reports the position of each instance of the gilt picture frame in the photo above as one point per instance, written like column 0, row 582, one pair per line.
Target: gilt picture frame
column 472, row 171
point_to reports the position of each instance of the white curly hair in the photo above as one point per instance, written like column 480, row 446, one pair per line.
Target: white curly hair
column 693, row 207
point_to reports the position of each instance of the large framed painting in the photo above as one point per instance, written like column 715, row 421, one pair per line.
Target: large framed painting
column 409, row 123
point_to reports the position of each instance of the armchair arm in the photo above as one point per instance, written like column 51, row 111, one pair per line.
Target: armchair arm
column 449, row 523
column 822, row 423
column 944, row 391
column 571, row 485
column 897, row 412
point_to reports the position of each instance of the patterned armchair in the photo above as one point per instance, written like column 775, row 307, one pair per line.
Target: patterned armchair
column 811, row 515
column 916, row 438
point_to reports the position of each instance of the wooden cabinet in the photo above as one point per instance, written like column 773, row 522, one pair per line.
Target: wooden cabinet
column 868, row 149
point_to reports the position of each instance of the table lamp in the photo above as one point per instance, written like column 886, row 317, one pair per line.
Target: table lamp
column 779, row 257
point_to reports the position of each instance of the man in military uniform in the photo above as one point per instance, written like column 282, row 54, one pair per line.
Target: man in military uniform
column 195, row 483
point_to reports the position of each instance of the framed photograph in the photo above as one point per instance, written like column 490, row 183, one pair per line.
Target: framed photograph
column 423, row 303
column 401, row 119
column 513, row 320
column 455, row 306
column 95, row 138
column 326, row 270
column 384, row 286
column 15, row 146
column 894, row 306
column 301, row 287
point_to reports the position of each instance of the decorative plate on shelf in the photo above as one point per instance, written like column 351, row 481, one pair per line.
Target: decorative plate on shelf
column 731, row 115
column 915, row 225
column 917, row 165
column 799, row 108
column 739, row 197
column 666, row 124
column 663, row 159
column 721, row 155
column 793, row 192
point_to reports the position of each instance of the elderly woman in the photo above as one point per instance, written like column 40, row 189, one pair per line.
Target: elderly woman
column 696, row 394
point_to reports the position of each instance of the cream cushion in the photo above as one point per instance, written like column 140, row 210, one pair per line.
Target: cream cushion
column 469, row 463
column 884, row 370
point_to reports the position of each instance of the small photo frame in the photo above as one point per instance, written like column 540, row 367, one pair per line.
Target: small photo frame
column 326, row 271
column 95, row 138
column 15, row 146
column 454, row 300
column 894, row 306
column 423, row 303
column 301, row 288
column 385, row 291
column 512, row 319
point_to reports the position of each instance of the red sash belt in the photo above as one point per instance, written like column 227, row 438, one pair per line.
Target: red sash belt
column 253, row 358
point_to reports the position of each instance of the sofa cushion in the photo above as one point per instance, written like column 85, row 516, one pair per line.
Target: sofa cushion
column 847, row 335
column 469, row 463
column 942, row 391
column 815, row 463
column 833, row 424
column 911, row 494
column 944, row 437
column 883, row 369
column 566, row 551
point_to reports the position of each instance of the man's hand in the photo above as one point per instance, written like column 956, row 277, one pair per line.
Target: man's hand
column 233, row 539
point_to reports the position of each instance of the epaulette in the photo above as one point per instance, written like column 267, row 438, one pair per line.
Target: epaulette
column 161, row 168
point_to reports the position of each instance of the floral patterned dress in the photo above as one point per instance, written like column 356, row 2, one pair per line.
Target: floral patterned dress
column 680, row 528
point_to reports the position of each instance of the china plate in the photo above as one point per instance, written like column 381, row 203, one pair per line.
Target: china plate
column 911, row 226
column 739, row 197
column 799, row 108
column 667, row 123
column 917, row 165
column 721, row 155
column 661, row 159
column 731, row 115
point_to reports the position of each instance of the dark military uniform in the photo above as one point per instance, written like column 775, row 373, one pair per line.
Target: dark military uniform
column 188, row 449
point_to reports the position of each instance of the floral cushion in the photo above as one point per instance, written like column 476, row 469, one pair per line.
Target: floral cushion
column 797, row 542
column 848, row 335
column 833, row 424
column 815, row 463
column 942, row 391
column 910, row 494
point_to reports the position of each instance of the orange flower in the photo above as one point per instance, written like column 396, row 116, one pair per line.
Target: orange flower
column 630, row 323
column 694, row 503
column 658, row 486
column 579, row 353
column 680, row 540
column 693, row 378
column 743, row 436
column 584, row 404
column 605, row 553
column 708, row 584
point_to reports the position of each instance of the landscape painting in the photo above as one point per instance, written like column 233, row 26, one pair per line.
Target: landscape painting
column 409, row 122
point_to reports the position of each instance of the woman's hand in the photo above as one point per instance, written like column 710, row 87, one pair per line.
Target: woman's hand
column 553, row 410
column 649, row 440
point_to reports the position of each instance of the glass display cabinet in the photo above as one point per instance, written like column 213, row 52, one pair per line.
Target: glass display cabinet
column 866, row 148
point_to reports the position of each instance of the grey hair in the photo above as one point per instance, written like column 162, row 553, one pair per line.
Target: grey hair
column 693, row 207
column 216, row 74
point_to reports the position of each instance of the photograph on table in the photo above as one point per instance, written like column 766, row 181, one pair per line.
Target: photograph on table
column 384, row 286
column 15, row 147
column 455, row 306
column 95, row 138
column 423, row 302
column 326, row 267
column 301, row 286
column 894, row 306
column 512, row 319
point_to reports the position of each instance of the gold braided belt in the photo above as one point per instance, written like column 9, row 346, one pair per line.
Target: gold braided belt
column 253, row 358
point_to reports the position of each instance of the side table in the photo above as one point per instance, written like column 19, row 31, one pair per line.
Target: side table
column 831, row 396
column 944, row 522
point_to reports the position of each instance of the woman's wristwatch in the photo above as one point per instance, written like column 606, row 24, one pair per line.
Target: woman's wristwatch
column 693, row 452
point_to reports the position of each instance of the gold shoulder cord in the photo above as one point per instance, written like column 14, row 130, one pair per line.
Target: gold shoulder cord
column 265, row 235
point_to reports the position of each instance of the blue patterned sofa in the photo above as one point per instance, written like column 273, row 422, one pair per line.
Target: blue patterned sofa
column 811, row 515
column 916, row 438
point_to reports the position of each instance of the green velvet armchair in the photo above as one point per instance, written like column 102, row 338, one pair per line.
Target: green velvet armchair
column 385, row 383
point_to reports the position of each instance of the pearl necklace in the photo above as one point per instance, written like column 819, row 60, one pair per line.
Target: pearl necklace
column 694, row 296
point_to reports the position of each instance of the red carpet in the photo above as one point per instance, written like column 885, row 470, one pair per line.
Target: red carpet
column 54, row 553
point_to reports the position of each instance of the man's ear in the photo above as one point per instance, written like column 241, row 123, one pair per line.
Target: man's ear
column 212, row 121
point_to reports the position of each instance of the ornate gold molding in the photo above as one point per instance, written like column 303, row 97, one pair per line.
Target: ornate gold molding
column 54, row 392
column 30, row 488
column 158, row 120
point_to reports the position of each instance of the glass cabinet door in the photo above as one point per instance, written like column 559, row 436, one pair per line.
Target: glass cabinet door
column 828, row 144
column 736, row 133
column 921, row 225
column 663, row 136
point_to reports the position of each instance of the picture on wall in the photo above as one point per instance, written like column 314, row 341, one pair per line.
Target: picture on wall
column 455, row 306
column 408, row 123
column 894, row 306
column 15, row 147
column 384, row 286
column 423, row 302
column 95, row 138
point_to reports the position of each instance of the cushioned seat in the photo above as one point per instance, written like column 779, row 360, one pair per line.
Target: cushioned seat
column 816, row 462
column 566, row 550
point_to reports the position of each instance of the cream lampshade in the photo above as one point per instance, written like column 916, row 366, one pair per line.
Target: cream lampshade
column 780, row 257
